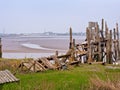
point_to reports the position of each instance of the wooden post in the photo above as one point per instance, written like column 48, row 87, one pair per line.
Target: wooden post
column 118, row 47
column 74, row 48
column 102, row 25
column 115, row 47
column 107, row 43
column 110, row 49
column 89, row 46
column 98, row 41
column 34, row 66
column 106, row 30
column 74, row 43
column 56, row 53
column 102, row 41
column 0, row 49
column 21, row 66
column 70, row 46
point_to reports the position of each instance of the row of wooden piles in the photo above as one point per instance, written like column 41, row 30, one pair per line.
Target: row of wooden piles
column 101, row 45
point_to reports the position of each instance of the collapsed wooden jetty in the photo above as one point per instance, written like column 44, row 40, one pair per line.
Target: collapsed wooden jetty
column 101, row 45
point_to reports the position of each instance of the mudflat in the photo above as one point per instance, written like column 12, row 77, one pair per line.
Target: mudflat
column 16, row 44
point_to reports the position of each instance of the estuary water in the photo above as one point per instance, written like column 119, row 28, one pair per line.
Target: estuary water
column 36, row 47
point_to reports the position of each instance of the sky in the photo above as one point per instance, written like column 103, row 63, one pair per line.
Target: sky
column 38, row 16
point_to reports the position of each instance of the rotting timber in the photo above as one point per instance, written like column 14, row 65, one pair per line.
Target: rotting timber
column 101, row 45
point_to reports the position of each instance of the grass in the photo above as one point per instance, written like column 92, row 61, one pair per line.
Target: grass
column 83, row 77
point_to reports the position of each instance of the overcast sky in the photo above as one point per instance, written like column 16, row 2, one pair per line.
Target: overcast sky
column 36, row 16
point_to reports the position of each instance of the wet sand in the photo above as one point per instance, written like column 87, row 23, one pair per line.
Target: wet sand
column 14, row 44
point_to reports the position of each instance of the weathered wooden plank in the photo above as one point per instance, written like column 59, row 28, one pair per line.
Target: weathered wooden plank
column 68, row 54
column 40, row 66
column 2, row 80
column 57, row 61
column 28, row 65
column 6, row 77
column 37, row 66
column 34, row 66
column 11, row 75
column 9, row 79
column 47, row 63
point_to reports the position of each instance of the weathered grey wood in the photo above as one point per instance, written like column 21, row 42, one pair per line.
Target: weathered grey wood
column 37, row 66
column 102, row 25
column 11, row 76
column 28, row 65
column 0, row 49
column 33, row 66
column 40, row 66
column 71, row 43
column 56, row 53
column 7, row 77
column 65, row 57
column 110, row 50
column 118, row 47
column 74, row 43
column 47, row 63
column 89, row 46
column 115, row 45
column 57, row 61
column 107, row 42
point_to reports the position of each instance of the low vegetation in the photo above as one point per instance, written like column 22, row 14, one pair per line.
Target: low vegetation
column 82, row 77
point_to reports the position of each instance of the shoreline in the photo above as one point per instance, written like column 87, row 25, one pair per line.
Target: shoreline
column 13, row 47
